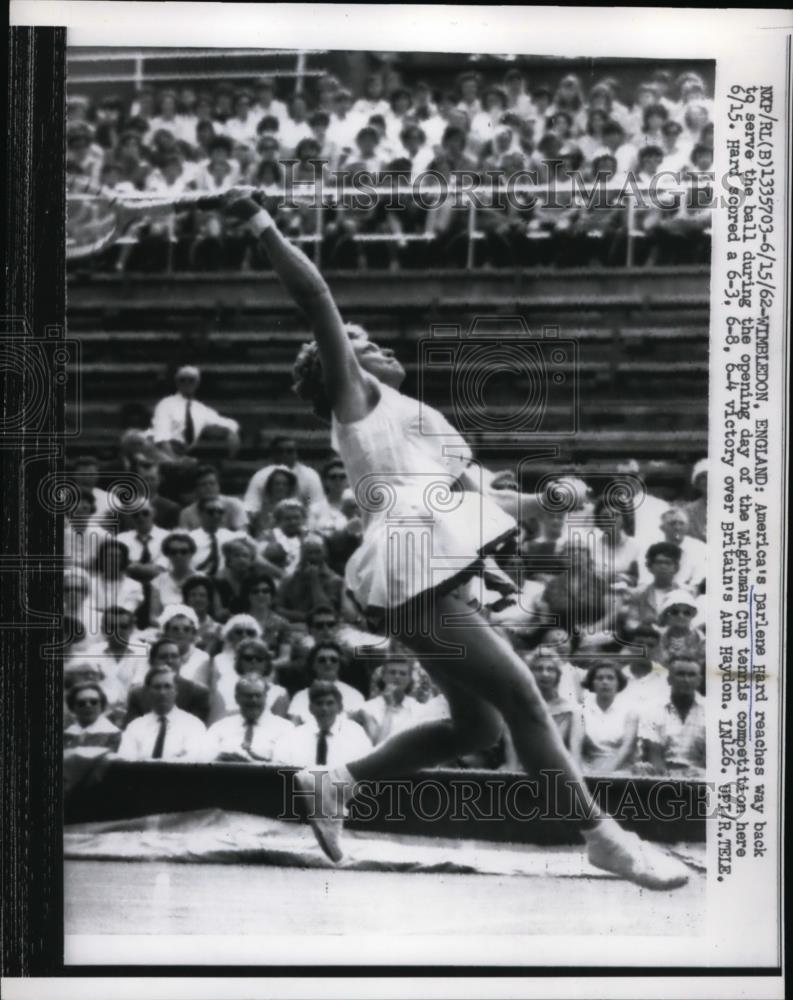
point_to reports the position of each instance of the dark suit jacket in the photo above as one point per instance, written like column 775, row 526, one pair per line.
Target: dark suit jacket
column 190, row 697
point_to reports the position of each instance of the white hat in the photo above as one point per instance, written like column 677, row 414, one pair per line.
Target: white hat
column 173, row 611
column 674, row 597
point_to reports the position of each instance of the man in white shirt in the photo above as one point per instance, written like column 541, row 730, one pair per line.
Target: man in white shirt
column 146, row 559
column 394, row 709
column 324, row 662
column 673, row 733
column 252, row 734
column 180, row 420
column 309, row 484
column 266, row 103
column 211, row 536
column 166, row 732
column 329, row 739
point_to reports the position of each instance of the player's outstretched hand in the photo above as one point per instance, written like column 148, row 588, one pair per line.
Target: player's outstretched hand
column 239, row 203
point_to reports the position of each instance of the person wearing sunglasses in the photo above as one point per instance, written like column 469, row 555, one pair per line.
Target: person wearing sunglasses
column 87, row 702
column 679, row 637
column 251, row 656
column 258, row 595
column 179, row 549
column 211, row 536
column 324, row 663
column 180, row 624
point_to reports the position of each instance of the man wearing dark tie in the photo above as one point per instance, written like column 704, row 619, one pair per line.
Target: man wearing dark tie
column 165, row 732
column 252, row 734
column 329, row 739
column 190, row 697
column 180, row 420
column 144, row 544
column 211, row 536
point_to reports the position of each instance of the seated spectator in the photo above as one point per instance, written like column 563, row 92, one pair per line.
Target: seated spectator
column 252, row 733
column 121, row 660
column 557, row 643
column 295, row 127
column 165, row 732
column 238, row 627
column 647, row 679
column 468, row 85
column 678, row 636
column 91, row 728
column 518, row 99
column 181, row 420
column 644, row 604
column 415, row 149
column 620, row 549
column 282, row 545
column 82, row 534
column 210, row 538
column 110, row 585
column 284, row 454
column 697, row 510
column 281, row 484
column 693, row 553
column 344, row 125
column 76, row 607
column 566, row 714
column 394, row 709
column 169, row 120
column 239, row 558
column 266, row 102
column 207, row 486
column 166, row 512
column 251, row 656
column 179, row 549
column 324, row 663
column 147, row 561
column 673, row 733
column 241, row 127
column 329, row 739
column 219, row 172
column 310, row 583
column 198, row 593
column 610, row 726
column 258, row 596
column 192, row 698
column 326, row 516
column 373, row 102
column 86, row 475
column 615, row 144
column 569, row 97
column 676, row 149
column 179, row 623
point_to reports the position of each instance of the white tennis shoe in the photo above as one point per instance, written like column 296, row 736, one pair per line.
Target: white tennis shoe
column 626, row 855
column 325, row 813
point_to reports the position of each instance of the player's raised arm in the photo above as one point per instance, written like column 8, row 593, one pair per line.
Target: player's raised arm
column 345, row 382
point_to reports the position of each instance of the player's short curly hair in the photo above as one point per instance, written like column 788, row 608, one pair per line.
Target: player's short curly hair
column 308, row 378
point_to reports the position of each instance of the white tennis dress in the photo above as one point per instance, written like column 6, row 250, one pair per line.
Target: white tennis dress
column 421, row 530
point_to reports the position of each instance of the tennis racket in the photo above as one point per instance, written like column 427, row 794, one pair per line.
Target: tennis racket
column 97, row 217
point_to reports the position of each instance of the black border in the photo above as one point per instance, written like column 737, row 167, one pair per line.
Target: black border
column 31, row 871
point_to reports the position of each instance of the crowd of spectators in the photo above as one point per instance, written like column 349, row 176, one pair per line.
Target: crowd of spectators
column 170, row 141
column 203, row 626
